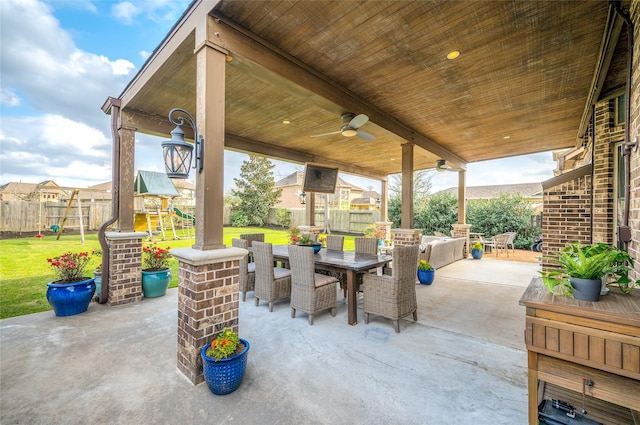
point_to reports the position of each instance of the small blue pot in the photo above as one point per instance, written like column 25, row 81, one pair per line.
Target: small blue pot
column 68, row 299
column 316, row 246
column 426, row 276
column 476, row 254
column 224, row 376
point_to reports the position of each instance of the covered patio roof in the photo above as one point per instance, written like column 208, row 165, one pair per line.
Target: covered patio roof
column 523, row 83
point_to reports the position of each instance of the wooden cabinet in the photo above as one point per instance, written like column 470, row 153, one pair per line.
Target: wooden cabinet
column 590, row 348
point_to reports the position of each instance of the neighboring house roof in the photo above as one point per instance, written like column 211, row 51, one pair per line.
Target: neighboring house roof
column 151, row 183
column 527, row 190
column 18, row 188
column 106, row 186
column 183, row 184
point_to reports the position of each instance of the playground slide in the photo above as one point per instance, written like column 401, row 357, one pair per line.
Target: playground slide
column 184, row 215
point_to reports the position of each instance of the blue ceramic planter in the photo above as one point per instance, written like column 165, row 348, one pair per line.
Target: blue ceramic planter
column 426, row 276
column 155, row 283
column 68, row 299
column 476, row 254
column 224, row 376
column 316, row 246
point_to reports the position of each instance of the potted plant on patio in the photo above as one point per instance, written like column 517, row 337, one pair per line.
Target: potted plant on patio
column 476, row 250
column 294, row 235
column 72, row 291
column 426, row 272
column 156, row 274
column 583, row 268
column 224, row 361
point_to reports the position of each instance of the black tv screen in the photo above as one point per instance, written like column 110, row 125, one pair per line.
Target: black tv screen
column 319, row 178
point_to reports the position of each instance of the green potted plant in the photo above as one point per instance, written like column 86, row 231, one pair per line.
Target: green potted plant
column 224, row 361
column 156, row 274
column 583, row 268
column 72, row 291
column 426, row 272
column 477, row 250
column 307, row 240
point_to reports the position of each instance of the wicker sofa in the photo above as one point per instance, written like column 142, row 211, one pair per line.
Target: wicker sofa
column 440, row 251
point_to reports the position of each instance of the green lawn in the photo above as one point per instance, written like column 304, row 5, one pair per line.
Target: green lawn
column 24, row 271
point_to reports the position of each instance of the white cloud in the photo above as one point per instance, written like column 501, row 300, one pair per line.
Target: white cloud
column 8, row 97
column 144, row 54
column 125, row 12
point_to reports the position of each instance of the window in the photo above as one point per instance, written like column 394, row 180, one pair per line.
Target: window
column 621, row 109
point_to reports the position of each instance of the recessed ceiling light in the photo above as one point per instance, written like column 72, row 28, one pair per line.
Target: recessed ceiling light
column 506, row 137
column 228, row 58
column 453, row 55
column 286, row 122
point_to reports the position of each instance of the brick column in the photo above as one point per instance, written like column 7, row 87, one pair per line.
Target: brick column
column 406, row 236
column 207, row 302
column 125, row 267
column 462, row 231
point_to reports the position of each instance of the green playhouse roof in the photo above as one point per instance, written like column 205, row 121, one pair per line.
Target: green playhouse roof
column 152, row 183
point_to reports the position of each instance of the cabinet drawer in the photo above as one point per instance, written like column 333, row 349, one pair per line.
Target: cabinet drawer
column 609, row 351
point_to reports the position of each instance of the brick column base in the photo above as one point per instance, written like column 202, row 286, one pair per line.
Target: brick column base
column 207, row 302
column 462, row 231
column 406, row 236
column 125, row 267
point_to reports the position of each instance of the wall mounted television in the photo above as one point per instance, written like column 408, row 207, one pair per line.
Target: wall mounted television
column 319, row 178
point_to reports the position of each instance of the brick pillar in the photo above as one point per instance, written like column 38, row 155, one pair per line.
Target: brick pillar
column 125, row 267
column 406, row 236
column 207, row 302
column 462, row 231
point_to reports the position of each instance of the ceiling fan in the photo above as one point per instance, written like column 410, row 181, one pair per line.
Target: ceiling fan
column 441, row 166
column 351, row 124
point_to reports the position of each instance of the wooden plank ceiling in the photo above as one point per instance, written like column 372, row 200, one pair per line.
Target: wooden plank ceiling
column 519, row 85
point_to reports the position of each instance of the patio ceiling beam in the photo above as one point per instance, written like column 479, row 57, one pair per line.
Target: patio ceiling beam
column 283, row 69
column 236, row 143
column 137, row 120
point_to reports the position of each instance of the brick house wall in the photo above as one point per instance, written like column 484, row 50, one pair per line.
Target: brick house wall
column 634, row 127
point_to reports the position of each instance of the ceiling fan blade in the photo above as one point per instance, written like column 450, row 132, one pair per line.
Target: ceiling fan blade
column 366, row 136
column 326, row 134
column 358, row 121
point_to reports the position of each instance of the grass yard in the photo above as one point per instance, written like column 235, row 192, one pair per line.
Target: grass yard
column 24, row 271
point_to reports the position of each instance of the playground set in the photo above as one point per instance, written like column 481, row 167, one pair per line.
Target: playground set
column 157, row 212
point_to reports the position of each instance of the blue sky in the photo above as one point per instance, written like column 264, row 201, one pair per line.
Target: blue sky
column 61, row 59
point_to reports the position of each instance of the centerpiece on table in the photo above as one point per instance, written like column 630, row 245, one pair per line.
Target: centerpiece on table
column 372, row 231
column 306, row 240
column 72, row 291
column 224, row 361
column 156, row 274
column 426, row 272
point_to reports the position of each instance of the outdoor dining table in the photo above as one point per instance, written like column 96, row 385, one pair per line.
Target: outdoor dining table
column 350, row 263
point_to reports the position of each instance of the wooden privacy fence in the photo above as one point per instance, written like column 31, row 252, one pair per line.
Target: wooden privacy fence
column 18, row 216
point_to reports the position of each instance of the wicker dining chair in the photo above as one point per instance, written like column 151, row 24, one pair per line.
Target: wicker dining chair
column 393, row 297
column 250, row 237
column 247, row 270
column 311, row 292
column 335, row 242
column 366, row 246
column 272, row 283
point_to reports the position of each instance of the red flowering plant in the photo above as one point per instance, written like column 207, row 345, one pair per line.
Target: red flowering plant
column 372, row 231
column 225, row 345
column 155, row 258
column 294, row 235
column 70, row 267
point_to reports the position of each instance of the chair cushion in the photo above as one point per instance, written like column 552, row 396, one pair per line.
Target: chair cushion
column 321, row 280
column 279, row 272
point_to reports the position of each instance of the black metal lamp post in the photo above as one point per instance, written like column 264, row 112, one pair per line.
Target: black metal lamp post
column 178, row 153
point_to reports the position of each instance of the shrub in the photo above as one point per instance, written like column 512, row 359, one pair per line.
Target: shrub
column 239, row 219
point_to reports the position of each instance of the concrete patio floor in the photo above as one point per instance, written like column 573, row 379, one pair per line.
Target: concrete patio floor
column 463, row 362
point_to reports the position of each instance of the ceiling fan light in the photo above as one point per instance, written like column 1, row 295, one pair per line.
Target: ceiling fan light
column 349, row 132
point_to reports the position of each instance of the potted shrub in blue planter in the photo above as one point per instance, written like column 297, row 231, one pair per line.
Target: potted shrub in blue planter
column 224, row 362
column 306, row 240
column 426, row 272
column 71, row 292
column 476, row 250
column 156, row 273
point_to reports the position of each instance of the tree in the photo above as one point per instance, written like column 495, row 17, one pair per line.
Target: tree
column 256, row 189
column 421, row 186
column 439, row 214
